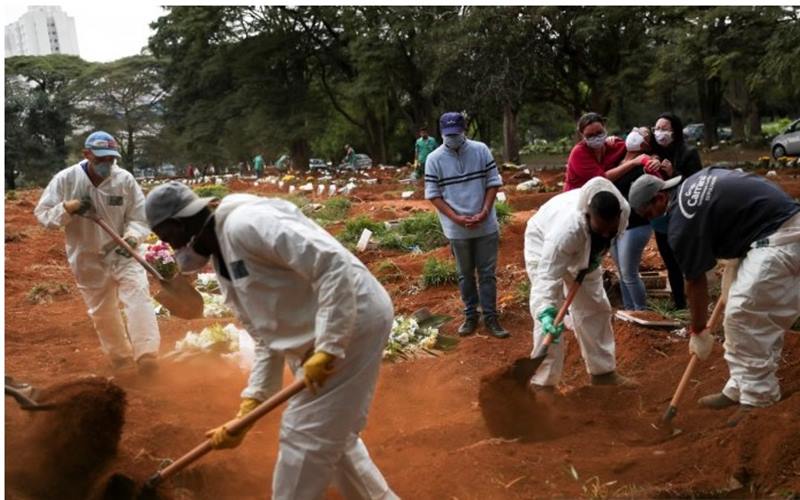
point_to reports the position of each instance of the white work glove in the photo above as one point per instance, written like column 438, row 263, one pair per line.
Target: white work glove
column 700, row 344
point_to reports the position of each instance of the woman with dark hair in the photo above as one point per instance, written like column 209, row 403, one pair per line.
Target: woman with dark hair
column 681, row 159
column 597, row 154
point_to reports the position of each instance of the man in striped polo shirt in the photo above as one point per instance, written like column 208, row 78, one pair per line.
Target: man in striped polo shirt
column 461, row 180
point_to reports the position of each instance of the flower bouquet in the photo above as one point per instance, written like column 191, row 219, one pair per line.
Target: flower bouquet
column 161, row 257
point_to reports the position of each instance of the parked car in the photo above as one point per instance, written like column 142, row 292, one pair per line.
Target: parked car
column 787, row 143
column 361, row 162
column 694, row 132
column 317, row 164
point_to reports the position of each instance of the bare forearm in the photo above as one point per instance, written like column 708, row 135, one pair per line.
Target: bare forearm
column 488, row 200
column 697, row 295
column 444, row 208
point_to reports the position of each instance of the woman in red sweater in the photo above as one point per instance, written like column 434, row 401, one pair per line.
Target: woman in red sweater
column 597, row 154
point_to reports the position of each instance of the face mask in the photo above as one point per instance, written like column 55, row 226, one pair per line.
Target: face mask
column 188, row 259
column 661, row 223
column 597, row 141
column 663, row 137
column 103, row 168
column 634, row 141
column 454, row 141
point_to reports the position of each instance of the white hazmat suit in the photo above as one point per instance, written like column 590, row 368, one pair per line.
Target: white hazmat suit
column 296, row 289
column 557, row 248
column 104, row 277
column 763, row 302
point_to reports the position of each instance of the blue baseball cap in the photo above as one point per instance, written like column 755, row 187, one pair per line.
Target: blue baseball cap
column 452, row 123
column 102, row 144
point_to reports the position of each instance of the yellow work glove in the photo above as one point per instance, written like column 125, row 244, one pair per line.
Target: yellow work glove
column 317, row 369
column 221, row 439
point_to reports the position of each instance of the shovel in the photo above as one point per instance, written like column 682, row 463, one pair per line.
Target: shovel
column 711, row 325
column 176, row 294
column 234, row 428
column 524, row 368
column 17, row 392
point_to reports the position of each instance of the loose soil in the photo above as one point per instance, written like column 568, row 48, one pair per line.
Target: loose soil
column 426, row 430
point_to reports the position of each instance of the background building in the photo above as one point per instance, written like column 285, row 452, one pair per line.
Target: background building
column 41, row 31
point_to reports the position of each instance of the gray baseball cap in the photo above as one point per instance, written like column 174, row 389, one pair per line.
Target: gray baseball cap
column 645, row 188
column 172, row 200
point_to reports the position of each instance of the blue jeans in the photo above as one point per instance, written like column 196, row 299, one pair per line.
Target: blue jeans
column 627, row 252
column 477, row 256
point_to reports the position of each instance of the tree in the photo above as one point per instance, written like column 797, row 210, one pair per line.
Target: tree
column 124, row 98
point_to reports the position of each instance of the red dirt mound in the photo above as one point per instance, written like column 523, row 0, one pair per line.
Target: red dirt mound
column 62, row 452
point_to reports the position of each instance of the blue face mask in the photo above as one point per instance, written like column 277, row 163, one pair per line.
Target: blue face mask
column 454, row 141
column 661, row 223
column 103, row 169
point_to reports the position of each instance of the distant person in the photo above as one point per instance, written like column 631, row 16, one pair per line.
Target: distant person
column 569, row 235
column 461, row 180
column 422, row 148
column 678, row 159
column 718, row 213
column 349, row 156
column 282, row 164
column 106, row 274
column 628, row 247
column 258, row 165
column 596, row 154
column 189, row 171
column 11, row 178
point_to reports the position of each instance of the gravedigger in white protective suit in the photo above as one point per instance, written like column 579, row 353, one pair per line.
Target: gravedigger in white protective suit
column 723, row 214
column 106, row 275
column 303, row 298
column 567, row 235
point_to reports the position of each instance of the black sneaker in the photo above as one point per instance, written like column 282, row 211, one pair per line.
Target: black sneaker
column 495, row 330
column 468, row 327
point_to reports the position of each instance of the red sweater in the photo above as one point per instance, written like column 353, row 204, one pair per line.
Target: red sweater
column 582, row 164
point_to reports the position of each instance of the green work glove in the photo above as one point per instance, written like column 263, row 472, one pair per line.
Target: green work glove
column 131, row 241
column 548, row 319
column 222, row 439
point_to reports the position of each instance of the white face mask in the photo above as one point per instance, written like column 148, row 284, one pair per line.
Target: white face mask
column 597, row 141
column 187, row 258
column 454, row 141
column 663, row 137
column 189, row 261
column 634, row 141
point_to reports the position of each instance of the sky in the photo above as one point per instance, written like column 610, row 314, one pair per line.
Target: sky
column 106, row 31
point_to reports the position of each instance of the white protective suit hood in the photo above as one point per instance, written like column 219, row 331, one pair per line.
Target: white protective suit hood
column 558, row 243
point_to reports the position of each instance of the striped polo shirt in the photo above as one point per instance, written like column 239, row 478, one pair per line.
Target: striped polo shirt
column 461, row 178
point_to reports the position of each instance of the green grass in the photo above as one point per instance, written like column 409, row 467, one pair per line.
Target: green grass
column 771, row 129
column 217, row 191
column 11, row 195
column 388, row 272
column 522, row 292
column 332, row 210
column 664, row 307
column 354, row 227
column 421, row 230
column 436, row 272
column 504, row 211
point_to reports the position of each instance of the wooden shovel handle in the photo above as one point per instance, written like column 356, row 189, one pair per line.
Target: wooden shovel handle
column 236, row 427
column 124, row 244
column 711, row 325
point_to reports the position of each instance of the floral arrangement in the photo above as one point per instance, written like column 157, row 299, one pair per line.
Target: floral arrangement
column 161, row 256
column 214, row 338
column 214, row 306
column 408, row 338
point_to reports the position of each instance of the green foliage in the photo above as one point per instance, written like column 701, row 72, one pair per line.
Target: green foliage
column 421, row 230
column 11, row 195
column 503, row 211
column 773, row 128
column 522, row 292
column 436, row 272
column 332, row 210
column 664, row 307
column 297, row 200
column 388, row 272
column 354, row 227
column 217, row 191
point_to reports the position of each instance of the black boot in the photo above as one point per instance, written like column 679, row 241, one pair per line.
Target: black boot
column 495, row 330
column 468, row 327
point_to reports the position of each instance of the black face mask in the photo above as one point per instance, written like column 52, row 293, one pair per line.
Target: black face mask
column 600, row 244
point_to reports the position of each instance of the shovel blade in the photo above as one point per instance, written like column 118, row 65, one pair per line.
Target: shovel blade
column 180, row 298
column 524, row 368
